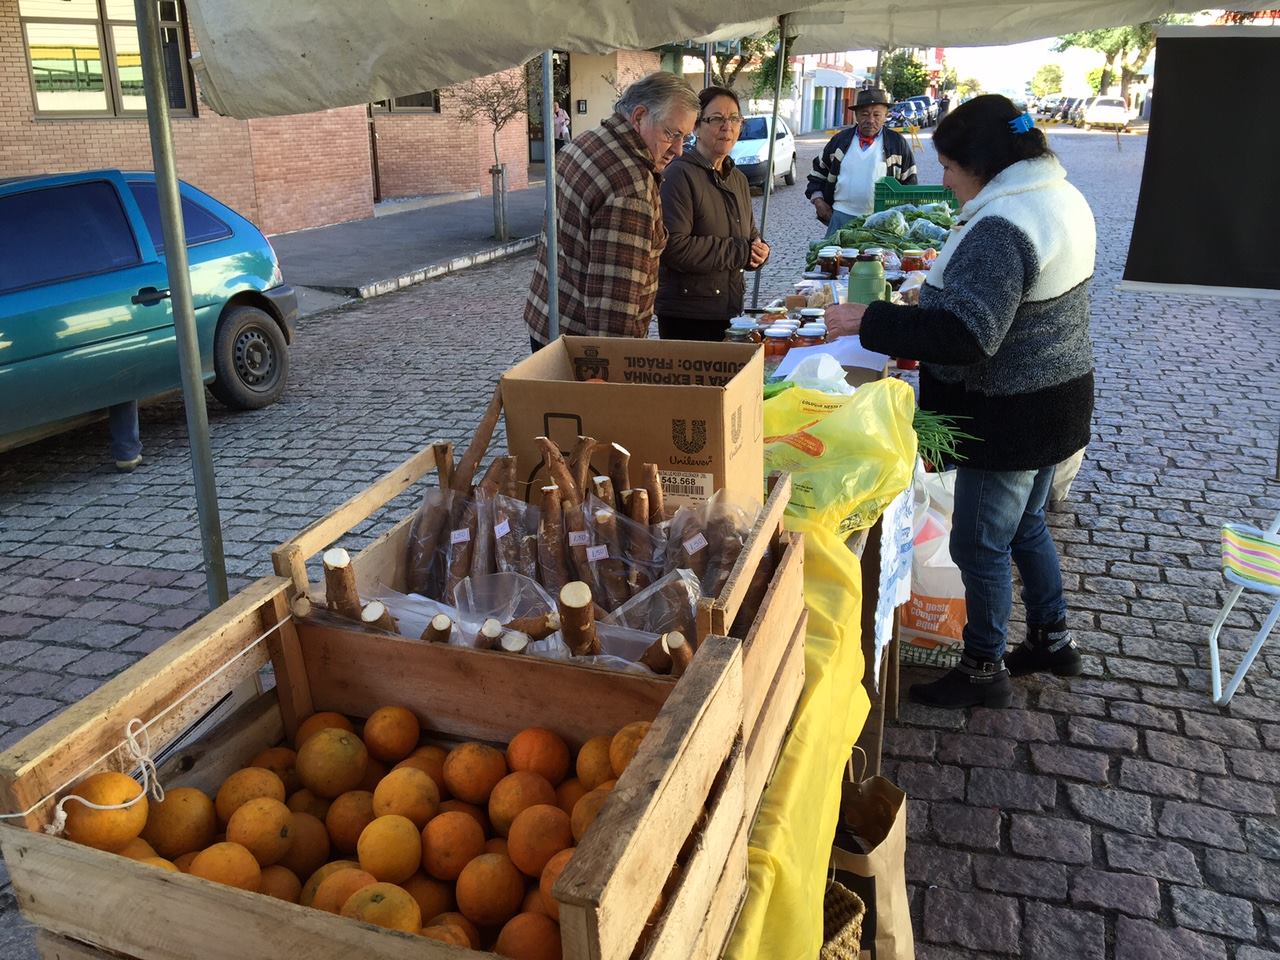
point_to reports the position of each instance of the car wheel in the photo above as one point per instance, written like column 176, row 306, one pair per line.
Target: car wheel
column 250, row 359
column 789, row 178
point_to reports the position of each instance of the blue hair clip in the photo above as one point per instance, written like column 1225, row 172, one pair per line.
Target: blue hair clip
column 1023, row 124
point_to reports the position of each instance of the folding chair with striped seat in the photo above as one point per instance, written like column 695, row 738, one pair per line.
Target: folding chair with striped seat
column 1250, row 560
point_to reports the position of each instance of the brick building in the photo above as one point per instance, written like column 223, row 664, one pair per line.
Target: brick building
column 71, row 99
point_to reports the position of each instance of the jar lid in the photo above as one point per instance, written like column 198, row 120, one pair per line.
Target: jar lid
column 812, row 328
column 777, row 332
column 913, row 253
column 829, row 252
column 742, row 323
column 848, row 251
column 813, row 311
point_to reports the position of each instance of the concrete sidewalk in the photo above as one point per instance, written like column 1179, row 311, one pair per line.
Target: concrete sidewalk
column 366, row 258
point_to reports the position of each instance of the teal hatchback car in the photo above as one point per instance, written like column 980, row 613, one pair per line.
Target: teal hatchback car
column 85, row 315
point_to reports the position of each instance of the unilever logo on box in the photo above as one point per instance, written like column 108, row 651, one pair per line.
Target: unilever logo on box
column 683, row 441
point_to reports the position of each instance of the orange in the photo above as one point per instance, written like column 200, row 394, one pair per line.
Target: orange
column 490, row 890
column 539, row 751
column 337, row 888
column 264, row 827
column 161, row 862
column 472, row 770
column 529, row 936
column 282, row 762
column 183, row 821
column 331, row 762
column 106, row 829
column 546, row 883
column 391, row 733
column 245, row 785
column 586, row 810
column 228, row 863
column 281, row 883
column 593, row 765
column 390, row 848
column 313, row 882
column 569, row 793
column 321, row 721
column 625, row 743
column 374, row 771
column 348, row 815
column 447, row 933
column 433, row 896
column 384, row 905
column 496, row 845
column 449, row 842
column 183, row 862
column 310, row 847
column 471, row 810
column 304, row 801
column 533, row 902
column 408, row 792
column 537, row 835
column 430, row 760
column 516, row 792
column 457, row 920
column 137, row 849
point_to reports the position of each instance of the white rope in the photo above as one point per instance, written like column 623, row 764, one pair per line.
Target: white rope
column 139, row 751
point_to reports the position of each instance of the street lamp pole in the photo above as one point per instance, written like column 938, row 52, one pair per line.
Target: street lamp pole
column 549, row 151
column 781, row 64
column 184, row 319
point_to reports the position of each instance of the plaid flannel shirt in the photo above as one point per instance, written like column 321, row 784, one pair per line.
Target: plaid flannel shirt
column 611, row 236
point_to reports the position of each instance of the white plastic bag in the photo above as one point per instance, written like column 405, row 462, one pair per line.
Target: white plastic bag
column 931, row 623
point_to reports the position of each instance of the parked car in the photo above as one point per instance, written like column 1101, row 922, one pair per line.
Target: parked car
column 1107, row 112
column 906, row 112
column 1049, row 105
column 751, row 152
column 1077, row 111
column 85, row 306
column 930, row 108
column 1064, row 111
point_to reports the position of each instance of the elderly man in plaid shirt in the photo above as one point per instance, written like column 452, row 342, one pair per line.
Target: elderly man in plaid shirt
column 609, row 211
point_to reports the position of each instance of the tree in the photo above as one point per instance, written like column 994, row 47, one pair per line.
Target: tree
column 1047, row 80
column 902, row 75
column 765, row 82
column 496, row 100
column 1094, row 79
column 1125, row 49
column 727, row 66
column 969, row 87
column 949, row 80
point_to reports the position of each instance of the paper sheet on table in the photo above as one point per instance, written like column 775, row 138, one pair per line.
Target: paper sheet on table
column 849, row 351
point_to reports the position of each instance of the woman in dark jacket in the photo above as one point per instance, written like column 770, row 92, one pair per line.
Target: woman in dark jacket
column 706, row 205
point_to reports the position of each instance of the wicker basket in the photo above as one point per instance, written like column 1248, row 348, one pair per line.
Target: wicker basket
column 842, row 913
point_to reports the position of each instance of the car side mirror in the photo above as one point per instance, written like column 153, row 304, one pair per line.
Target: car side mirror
column 779, row 135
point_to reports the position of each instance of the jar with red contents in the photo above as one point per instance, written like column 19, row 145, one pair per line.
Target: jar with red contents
column 777, row 343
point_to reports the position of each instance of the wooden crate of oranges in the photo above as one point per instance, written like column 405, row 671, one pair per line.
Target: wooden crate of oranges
column 386, row 798
column 761, row 604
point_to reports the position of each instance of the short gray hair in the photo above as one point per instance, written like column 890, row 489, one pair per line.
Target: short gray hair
column 659, row 93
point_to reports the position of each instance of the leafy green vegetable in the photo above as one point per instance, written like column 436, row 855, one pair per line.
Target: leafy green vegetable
column 889, row 221
column 936, row 437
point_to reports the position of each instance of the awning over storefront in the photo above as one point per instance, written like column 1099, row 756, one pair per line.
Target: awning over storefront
column 826, row 77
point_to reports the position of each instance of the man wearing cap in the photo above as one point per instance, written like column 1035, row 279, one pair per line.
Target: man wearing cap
column 843, row 182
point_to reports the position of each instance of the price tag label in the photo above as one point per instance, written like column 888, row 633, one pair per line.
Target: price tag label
column 579, row 538
column 600, row 552
column 694, row 544
column 460, row 536
column 502, row 529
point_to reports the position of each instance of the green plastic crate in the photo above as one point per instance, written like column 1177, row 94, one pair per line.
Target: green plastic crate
column 891, row 193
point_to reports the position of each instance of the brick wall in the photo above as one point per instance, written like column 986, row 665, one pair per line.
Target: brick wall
column 422, row 153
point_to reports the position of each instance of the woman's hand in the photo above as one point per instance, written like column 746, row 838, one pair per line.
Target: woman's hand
column 844, row 319
column 759, row 253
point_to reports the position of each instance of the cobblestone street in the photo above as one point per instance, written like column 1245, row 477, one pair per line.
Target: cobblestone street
column 1119, row 815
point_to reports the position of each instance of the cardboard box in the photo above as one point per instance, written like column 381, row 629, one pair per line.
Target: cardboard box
column 695, row 409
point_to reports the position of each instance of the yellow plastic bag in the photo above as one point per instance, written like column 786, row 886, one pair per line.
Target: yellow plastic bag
column 848, row 456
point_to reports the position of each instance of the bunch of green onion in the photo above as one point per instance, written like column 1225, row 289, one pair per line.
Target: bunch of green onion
column 937, row 436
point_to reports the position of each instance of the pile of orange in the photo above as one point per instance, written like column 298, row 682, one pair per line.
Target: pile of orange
column 462, row 846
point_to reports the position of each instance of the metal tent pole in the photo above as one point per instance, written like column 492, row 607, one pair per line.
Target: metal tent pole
column 184, row 318
column 706, row 70
column 773, row 146
column 549, row 151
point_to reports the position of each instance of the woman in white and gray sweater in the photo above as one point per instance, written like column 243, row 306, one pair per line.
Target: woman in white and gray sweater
column 1003, row 332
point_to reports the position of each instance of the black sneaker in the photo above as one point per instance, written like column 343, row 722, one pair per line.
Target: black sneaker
column 1047, row 649
column 974, row 683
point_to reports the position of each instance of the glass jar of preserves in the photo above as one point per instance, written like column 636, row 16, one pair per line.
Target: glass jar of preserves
column 809, row 336
column 913, row 260
column 742, row 330
column 829, row 261
column 812, row 314
column 777, row 342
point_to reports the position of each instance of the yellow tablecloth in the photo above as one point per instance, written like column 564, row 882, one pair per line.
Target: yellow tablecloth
column 790, row 844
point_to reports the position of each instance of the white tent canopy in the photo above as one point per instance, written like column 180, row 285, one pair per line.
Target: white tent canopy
column 268, row 58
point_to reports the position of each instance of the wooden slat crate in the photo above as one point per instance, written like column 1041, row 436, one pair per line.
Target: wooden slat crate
column 773, row 643
column 683, row 799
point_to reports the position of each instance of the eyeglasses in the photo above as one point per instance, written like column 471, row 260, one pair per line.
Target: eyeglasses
column 672, row 136
column 716, row 120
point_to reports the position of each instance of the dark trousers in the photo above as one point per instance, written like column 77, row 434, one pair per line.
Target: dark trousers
column 692, row 328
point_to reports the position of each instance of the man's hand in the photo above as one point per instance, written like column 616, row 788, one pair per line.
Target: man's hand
column 759, row 253
column 844, row 319
column 821, row 208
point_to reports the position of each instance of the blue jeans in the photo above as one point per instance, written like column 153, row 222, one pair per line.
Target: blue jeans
column 838, row 220
column 126, row 442
column 1000, row 514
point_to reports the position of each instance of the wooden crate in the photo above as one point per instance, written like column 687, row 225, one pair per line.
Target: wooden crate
column 92, row 904
column 773, row 643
